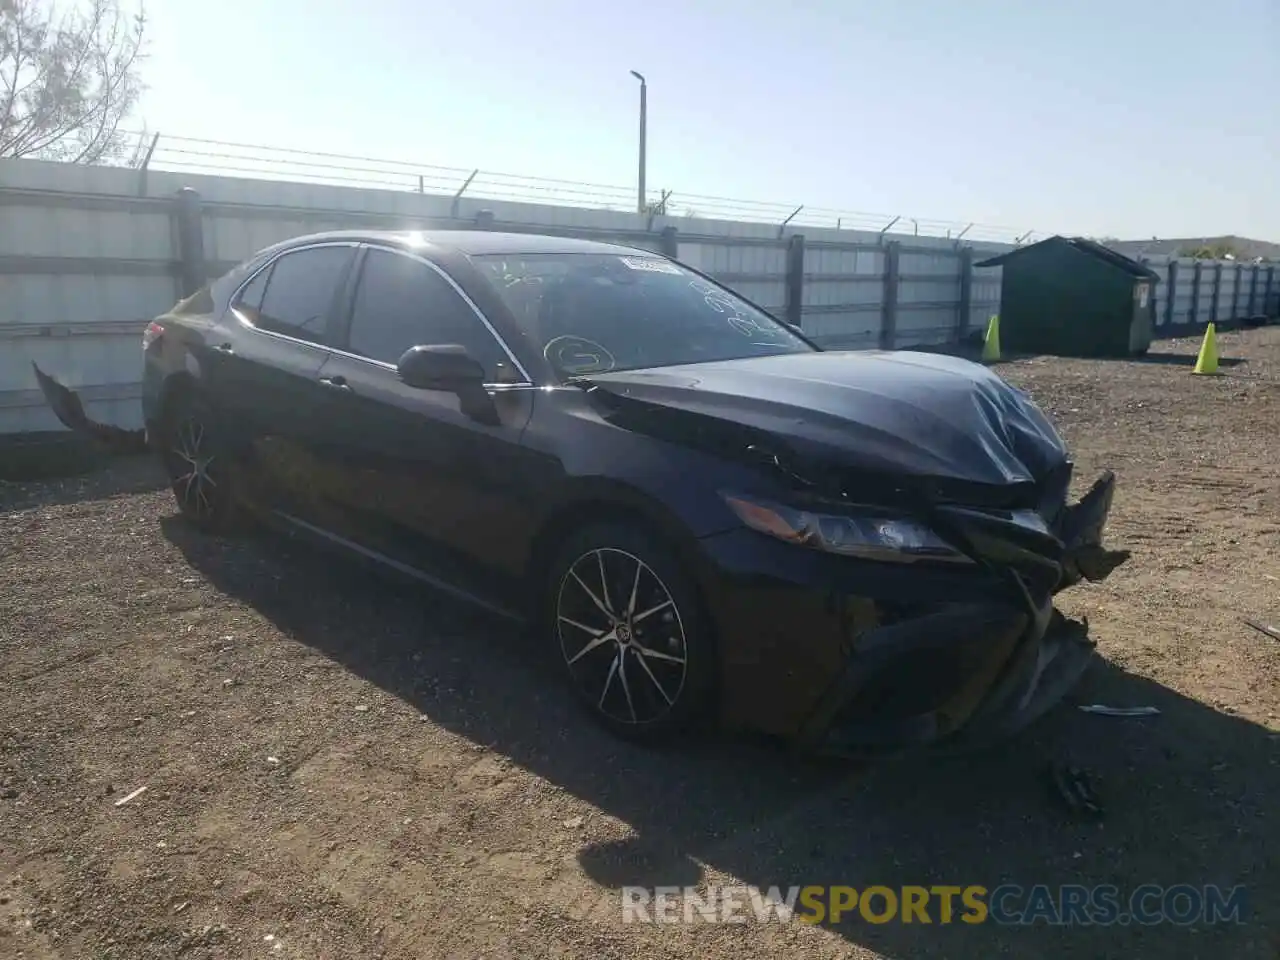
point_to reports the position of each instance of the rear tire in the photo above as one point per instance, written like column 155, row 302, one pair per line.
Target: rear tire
column 628, row 632
column 200, row 471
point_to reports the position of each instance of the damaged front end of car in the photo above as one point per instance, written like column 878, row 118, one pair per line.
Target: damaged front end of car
column 903, row 629
column 975, row 669
column 866, row 611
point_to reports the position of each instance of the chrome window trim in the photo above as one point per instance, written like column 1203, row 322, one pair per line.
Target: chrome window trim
column 382, row 365
column 235, row 294
column 391, row 367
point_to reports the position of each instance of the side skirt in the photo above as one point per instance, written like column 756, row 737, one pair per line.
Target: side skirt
column 432, row 580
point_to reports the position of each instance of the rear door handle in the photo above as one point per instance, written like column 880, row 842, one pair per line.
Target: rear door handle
column 225, row 348
column 337, row 381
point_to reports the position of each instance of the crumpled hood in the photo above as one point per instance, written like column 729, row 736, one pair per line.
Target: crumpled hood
column 899, row 412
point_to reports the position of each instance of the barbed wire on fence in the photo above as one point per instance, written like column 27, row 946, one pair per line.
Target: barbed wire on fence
column 196, row 155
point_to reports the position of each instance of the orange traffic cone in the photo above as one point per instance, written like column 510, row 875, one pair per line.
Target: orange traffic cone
column 1207, row 361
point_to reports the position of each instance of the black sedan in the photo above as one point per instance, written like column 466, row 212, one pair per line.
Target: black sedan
column 699, row 510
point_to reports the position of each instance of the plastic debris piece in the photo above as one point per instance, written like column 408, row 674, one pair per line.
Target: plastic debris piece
column 1270, row 631
column 130, row 796
column 1075, row 789
column 1104, row 711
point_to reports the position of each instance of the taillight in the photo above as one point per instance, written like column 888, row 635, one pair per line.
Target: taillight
column 151, row 335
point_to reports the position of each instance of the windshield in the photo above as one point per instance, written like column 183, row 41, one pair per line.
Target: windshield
column 592, row 313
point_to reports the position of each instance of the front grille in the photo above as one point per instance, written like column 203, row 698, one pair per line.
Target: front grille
column 1015, row 496
column 1046, row 495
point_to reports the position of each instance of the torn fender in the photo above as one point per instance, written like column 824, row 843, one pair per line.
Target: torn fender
column 70, row 411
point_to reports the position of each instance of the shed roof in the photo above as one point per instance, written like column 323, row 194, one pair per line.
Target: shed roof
column 1130, row 266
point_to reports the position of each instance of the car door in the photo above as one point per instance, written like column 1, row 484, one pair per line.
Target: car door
column 265, row 358
column 425, row 483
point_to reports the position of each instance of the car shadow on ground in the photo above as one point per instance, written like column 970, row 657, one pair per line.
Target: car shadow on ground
column 1185, row 793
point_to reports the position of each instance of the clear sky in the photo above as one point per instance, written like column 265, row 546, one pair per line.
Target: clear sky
column 1105, row 117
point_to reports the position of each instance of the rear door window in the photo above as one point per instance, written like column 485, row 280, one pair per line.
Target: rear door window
column 249, row 302
column 294, row 296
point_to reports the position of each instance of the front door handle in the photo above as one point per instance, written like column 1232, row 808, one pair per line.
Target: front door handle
column 225, row 348
column 338, row 381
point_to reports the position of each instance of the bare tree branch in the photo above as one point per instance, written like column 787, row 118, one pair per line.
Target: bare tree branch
column 11, row 49
column 71, row 81
column 112, row 109
column 67, row 83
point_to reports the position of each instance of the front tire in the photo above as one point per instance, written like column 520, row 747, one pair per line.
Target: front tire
column 199, row 467
column 628, row 632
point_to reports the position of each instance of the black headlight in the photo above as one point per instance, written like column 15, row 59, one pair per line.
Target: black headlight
column 872, row 535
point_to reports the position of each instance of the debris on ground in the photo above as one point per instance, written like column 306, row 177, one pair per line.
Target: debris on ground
column 131, row 796
column 1075, row 789
column 1270, row 631
column 1104, row 711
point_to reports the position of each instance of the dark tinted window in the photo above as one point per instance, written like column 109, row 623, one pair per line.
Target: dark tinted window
column 251, row 296
column 294, row 294
column 402, row 303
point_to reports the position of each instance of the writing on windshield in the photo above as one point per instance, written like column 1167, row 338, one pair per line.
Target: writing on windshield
column 592, row 313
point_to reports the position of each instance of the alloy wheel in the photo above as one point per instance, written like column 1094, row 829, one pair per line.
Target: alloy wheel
column 194, row 479
column 621, row 636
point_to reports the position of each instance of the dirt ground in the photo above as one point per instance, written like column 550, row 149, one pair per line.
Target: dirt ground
column 342, row 767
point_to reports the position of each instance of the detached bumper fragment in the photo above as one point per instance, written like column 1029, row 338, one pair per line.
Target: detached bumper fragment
column 69, row 410
column 1084, row 557
column 969, row 673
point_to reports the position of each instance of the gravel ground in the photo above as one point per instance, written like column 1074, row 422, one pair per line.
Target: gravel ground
column 339, row 767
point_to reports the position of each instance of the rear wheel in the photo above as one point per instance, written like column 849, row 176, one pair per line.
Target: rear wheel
column 629, row 634
column 198, row 465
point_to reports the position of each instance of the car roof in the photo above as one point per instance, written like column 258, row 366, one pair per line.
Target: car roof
column 474, row 242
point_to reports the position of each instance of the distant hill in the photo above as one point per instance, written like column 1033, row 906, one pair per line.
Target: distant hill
column 1246, row 248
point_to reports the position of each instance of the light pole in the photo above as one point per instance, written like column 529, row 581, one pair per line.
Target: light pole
column 644, row 116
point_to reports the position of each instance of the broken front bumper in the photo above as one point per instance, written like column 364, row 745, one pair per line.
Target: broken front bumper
column 1012, row 668
column 863, row 659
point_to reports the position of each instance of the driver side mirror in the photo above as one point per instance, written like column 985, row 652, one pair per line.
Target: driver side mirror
column 439, row 367
column 450, row 368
